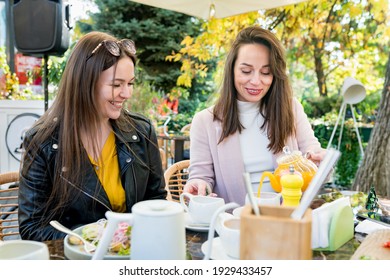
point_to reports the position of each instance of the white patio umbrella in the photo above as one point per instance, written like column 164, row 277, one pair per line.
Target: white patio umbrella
column 216, row 8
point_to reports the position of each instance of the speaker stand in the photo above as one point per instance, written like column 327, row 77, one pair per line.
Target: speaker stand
column 46, row 81
column 342, row 112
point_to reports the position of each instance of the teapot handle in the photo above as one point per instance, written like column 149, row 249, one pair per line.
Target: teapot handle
column 113, row 219
column 212, row 226
column 182, row 201
column 222, row 217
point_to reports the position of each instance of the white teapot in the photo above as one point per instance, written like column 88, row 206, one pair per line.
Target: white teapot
column 158, row 231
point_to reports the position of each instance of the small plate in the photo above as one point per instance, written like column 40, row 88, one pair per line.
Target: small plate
column 77, row 252
column 348, row 193
column 191, row 225
column 217, row 251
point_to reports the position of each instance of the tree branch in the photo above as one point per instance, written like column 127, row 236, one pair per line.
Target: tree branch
column 327, row 21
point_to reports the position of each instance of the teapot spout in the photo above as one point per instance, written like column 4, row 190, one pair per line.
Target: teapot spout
column 113, row 219
column 274, row 182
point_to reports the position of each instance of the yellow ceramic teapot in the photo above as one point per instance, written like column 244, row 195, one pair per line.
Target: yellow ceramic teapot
column 304, row 166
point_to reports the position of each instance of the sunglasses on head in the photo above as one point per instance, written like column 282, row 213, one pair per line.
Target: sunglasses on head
column 114, row 47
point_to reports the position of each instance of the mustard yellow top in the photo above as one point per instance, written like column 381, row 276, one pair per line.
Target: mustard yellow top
column 107, row 170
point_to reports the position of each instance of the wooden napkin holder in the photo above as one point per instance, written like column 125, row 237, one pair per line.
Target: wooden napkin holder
column 274, row 235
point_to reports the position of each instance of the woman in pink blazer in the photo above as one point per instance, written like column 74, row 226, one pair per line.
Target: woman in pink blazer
column 255, row 116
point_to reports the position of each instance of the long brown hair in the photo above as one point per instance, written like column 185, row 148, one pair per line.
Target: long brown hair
column 275, row 106
column 75, row 111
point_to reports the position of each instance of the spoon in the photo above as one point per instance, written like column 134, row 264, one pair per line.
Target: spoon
column 88, row 247
column 250, row 194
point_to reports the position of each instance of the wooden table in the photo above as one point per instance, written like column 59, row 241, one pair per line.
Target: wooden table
column 196, row 239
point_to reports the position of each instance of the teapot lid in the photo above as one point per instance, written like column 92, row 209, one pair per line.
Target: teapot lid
column 289, row 156
column 157, row 207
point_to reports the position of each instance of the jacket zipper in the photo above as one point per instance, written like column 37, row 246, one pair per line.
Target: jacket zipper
column 87, row 194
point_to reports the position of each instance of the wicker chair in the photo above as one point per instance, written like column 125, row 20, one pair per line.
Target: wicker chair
column 186, row 128
column 175, row 178
column 9, row 225
column 186, row 131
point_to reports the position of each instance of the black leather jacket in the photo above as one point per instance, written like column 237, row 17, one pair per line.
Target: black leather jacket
column 139, row 181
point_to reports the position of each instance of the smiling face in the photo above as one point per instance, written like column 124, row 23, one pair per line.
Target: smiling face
column 252, row 74
column 113, row 91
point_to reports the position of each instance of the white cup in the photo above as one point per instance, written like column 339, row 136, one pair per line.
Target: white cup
column 23, row 250
column 266, row 198
column 228, row 230
column 353, row 91
column 201, row 208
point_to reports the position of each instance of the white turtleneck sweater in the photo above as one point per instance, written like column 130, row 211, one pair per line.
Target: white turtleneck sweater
column 253, row 142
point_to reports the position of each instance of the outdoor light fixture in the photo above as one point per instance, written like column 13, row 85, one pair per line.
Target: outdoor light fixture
column 353, row 92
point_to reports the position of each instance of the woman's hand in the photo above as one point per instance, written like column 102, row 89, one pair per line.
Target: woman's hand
column 316, row 156
column 198, row 187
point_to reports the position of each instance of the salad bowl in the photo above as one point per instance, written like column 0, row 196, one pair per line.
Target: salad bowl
column 77, row 252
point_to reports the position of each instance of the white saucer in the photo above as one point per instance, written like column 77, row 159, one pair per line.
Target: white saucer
column 192, row 225
column 217, row 251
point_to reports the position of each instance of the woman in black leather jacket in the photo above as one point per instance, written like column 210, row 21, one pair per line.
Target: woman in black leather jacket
column 87, row 154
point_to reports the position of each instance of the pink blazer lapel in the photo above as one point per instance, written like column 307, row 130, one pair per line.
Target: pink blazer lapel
column 231, row 167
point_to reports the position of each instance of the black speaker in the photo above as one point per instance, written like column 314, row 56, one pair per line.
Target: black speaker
column 41, row 26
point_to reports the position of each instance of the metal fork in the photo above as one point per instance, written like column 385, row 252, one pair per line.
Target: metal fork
column 88, row 247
